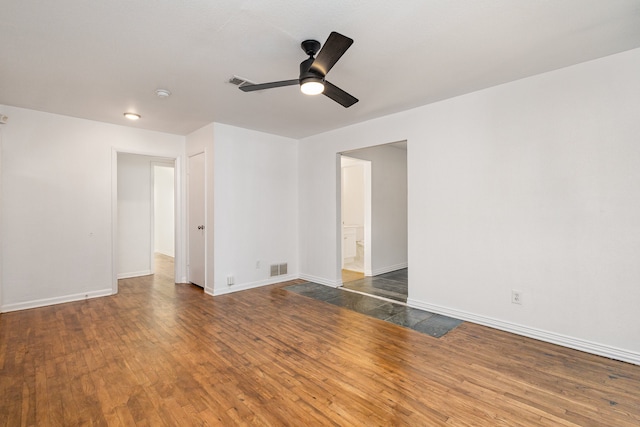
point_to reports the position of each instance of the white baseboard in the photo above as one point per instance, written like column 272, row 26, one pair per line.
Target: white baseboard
column 538, row 334
column 57, row 300
column 322, row 281
column 389, row 269
column 226, row 289
column 134, row 274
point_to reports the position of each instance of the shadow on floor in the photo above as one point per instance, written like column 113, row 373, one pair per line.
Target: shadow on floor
column 426, row 322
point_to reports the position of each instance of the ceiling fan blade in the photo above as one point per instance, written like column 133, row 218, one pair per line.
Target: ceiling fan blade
column 338, row 95
column 335, row 46
column 260, row 86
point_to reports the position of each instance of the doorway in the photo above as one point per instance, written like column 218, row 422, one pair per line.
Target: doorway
column 146, row 194
column 356, row 217
column 384, row 249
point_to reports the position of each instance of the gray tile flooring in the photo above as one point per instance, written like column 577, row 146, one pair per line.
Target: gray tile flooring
column 391, row 285
column 432, row 324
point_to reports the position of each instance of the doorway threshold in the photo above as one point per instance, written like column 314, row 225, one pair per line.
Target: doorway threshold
column 373, row 296
column 391, row 286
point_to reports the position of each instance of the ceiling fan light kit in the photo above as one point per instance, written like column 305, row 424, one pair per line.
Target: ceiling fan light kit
column 314, row 70
column 312, row 86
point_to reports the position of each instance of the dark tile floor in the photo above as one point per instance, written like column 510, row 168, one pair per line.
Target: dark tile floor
column 432, row 324
column 391, row 285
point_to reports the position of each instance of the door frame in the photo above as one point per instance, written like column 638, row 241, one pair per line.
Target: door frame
column 179, row 270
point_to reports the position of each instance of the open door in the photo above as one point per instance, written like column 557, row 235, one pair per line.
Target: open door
column 196, row 223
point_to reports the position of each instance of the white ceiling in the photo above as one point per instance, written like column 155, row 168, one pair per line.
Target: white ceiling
column 98, row 59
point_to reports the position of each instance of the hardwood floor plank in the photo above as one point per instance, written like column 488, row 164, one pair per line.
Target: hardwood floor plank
column 165, row 354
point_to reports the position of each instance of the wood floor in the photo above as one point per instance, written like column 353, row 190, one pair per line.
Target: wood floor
column 163, row 354
column 350, row 275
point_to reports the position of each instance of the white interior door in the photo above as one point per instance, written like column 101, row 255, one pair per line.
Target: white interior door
column 196, row 215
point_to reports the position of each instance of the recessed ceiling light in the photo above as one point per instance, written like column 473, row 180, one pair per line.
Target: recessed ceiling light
column 132, row 116
column 163, row 93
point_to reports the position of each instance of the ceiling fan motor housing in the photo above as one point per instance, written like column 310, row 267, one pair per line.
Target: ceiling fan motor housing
column 306, row 73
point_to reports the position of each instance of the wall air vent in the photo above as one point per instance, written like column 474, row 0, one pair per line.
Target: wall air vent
column 274, row 270
column 278, row 269
column 283, row 268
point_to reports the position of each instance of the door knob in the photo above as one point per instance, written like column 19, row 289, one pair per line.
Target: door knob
column 201, row 227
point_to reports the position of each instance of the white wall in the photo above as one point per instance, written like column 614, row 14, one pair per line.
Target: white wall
column 134, row 215
column 388, row 206
column 164, row 207
column 251, row 207
column 256, row 207
column 531, row 185
column 352, row 193
column 57, row 204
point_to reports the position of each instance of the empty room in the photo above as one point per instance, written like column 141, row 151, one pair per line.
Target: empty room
column 413, row 213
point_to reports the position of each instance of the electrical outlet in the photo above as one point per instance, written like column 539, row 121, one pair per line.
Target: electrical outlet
column 230, row 280
column 516, row 297
column 257, row 264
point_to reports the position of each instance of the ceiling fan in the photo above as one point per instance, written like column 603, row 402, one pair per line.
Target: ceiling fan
column 313, row 70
